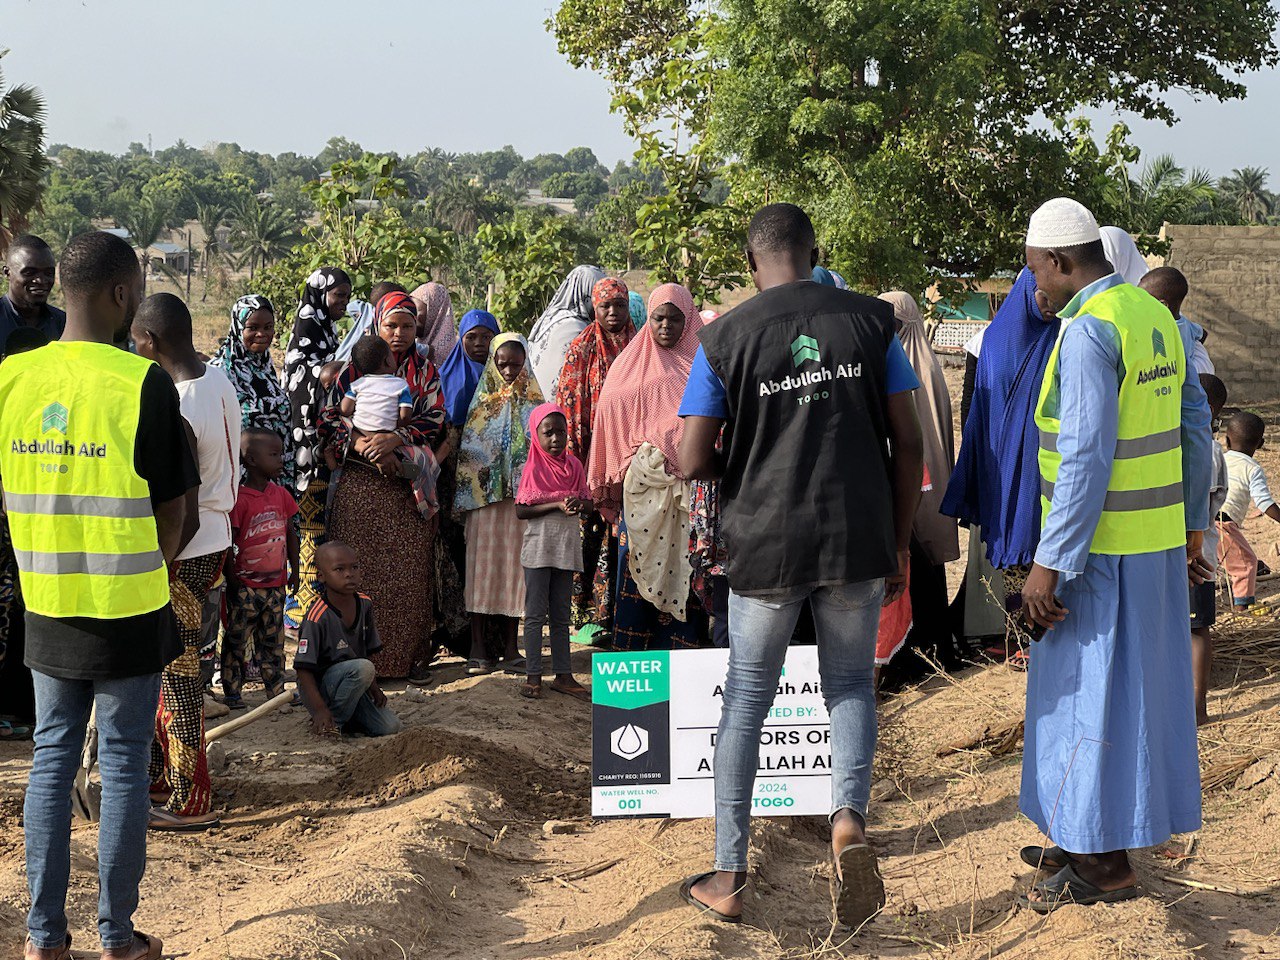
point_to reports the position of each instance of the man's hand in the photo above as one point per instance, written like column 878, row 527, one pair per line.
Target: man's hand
column 1198, row 569
column 322, row 724
column 379, row 698
column 895, row 585
column 1040, row 606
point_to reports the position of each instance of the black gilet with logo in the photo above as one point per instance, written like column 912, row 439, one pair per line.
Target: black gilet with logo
column 806, row 498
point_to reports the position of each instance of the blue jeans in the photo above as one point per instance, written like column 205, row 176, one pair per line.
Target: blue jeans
column 847, row 618
column 345, row 687
column 126, row 722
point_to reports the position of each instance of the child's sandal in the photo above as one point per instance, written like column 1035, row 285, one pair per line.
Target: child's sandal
column 531, row 691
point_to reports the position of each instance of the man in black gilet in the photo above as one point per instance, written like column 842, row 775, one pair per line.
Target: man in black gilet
column 819, row 480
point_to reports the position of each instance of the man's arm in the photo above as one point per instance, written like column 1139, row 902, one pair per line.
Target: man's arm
column 293, row 549
column 171, row 523
column 698, row 457
column 906, row 450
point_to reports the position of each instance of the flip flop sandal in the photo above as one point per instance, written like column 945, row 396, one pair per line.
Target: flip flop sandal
column 155, row 949
column 860, row 888
column 686, row 894
column 1052, row 859
column 582, row 693
column 14, row 731
column 517, row 667
column 163, row 820
column 531, row 691
column 478, row 668
column 66, row 949
column 1068, row 887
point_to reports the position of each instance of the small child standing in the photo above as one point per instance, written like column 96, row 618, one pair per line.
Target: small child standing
column 262, row 563
column 1204, row 596
column 553, row 495
column 1247, row 482
column 336, row 678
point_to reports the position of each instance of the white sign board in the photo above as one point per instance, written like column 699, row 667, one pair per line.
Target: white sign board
column 654, row 722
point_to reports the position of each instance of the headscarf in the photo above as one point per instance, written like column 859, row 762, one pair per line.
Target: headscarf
column 311, row 346
column 547, row 479
column 263, row 401
column 566, row 316
column 495, row 440
column 996, row 482
column 1124, row 255
column 936, row 534
column 439, row 333
column 635, row 303
column 459, row 374
column 824, row 276
column 641, row 399
column 361, row 314
column 586, row 364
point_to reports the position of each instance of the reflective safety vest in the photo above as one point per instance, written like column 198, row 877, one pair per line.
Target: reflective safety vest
column 1143, row 511
column 80, row 516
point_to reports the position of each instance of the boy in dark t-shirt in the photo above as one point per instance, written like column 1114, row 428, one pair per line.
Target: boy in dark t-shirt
column 335, row 675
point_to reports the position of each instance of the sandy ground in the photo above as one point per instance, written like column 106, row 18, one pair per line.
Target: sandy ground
column 432, row 843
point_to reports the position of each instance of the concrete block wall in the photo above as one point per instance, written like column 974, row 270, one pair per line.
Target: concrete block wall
column 1234, row 274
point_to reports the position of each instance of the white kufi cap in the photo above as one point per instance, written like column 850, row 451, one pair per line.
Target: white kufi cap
column 1062, row 222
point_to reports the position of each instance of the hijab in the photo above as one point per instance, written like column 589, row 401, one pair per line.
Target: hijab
column 824, row 276
column 438, row 332
column 936, row 534
column 566, row 316
column 640, row 401
column 586, row 364
column 459, row 374
column 547, row 479
column 495, row 439
column 635, row 304
column 1124, row 255
column 311, row 346
column 361, row 314
column 996, row 482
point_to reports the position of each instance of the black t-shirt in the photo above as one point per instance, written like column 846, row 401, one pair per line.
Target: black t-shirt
column 323, row 639
column 82, row 648
column 51, row 323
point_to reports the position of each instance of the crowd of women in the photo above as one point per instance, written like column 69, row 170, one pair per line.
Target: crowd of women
column 441, row 553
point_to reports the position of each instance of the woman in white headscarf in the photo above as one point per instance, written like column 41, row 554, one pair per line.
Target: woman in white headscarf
column 566, row 316
column 1124, row 254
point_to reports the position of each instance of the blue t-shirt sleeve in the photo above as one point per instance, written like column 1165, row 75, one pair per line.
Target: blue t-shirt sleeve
column 406, row 398
column 899, row 377
column 704, row 394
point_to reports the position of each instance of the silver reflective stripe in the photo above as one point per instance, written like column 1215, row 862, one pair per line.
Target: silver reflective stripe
column 1125, row 501
column 1128, row 449
column 71, row 505
column 96, row 564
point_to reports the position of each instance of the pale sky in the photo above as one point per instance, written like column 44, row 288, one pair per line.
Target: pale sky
column 276, row 75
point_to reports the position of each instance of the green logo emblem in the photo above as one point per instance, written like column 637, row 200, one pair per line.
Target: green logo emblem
column 54, row 417
column 805, row 348
column 1157, row 343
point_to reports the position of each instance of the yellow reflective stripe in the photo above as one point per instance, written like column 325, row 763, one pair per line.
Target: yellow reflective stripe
column 70, row 504
column 1131, row 449
column 1126, row 501
column 94, row 564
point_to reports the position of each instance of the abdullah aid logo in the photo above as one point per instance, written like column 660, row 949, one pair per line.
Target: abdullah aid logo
column 805, row 349
column 54, row 417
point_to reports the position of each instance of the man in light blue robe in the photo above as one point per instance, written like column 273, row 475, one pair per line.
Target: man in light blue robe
column 1110, row 762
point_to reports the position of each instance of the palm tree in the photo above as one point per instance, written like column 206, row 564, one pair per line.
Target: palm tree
column 211, row 216
column 261, row 233
column 145, row 221
column 22, row 158
column 1165, row 193
column 1247, row 188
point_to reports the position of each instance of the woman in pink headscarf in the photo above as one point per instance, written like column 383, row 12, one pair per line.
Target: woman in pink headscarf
column 634, row 474
column 436, row 329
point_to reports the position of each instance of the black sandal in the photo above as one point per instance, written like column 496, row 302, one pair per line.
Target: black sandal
column 1051, row 859
column 1068, row 887
column 859, row 886
column 686, row 894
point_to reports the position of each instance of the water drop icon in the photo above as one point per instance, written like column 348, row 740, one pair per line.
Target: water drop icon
column 629, row 742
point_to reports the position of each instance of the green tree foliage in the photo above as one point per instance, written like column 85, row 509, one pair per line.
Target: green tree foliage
column 261, row 233
column 585, row 189
column 1163, row 193
column 1247, row 190
column 22, row 158
column 146, row 221
column 616, row 219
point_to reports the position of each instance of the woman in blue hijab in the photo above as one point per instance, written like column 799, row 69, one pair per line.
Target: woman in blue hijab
column 996, row 483
column 460, row 372
column 636, row 307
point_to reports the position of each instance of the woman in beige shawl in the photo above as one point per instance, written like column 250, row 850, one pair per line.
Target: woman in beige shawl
column 934, row 538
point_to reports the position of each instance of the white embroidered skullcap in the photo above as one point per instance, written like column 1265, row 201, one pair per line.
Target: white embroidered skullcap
column 1062, row 222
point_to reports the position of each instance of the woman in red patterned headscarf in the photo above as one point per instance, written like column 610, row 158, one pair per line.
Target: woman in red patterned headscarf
column 586, row 364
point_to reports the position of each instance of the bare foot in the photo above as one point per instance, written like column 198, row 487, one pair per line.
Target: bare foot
column 565, row 683
column 846, row 829
column 722, row 892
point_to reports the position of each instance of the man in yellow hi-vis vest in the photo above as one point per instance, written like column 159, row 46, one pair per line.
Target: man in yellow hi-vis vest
column 98, row 476
column 1110, row 761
